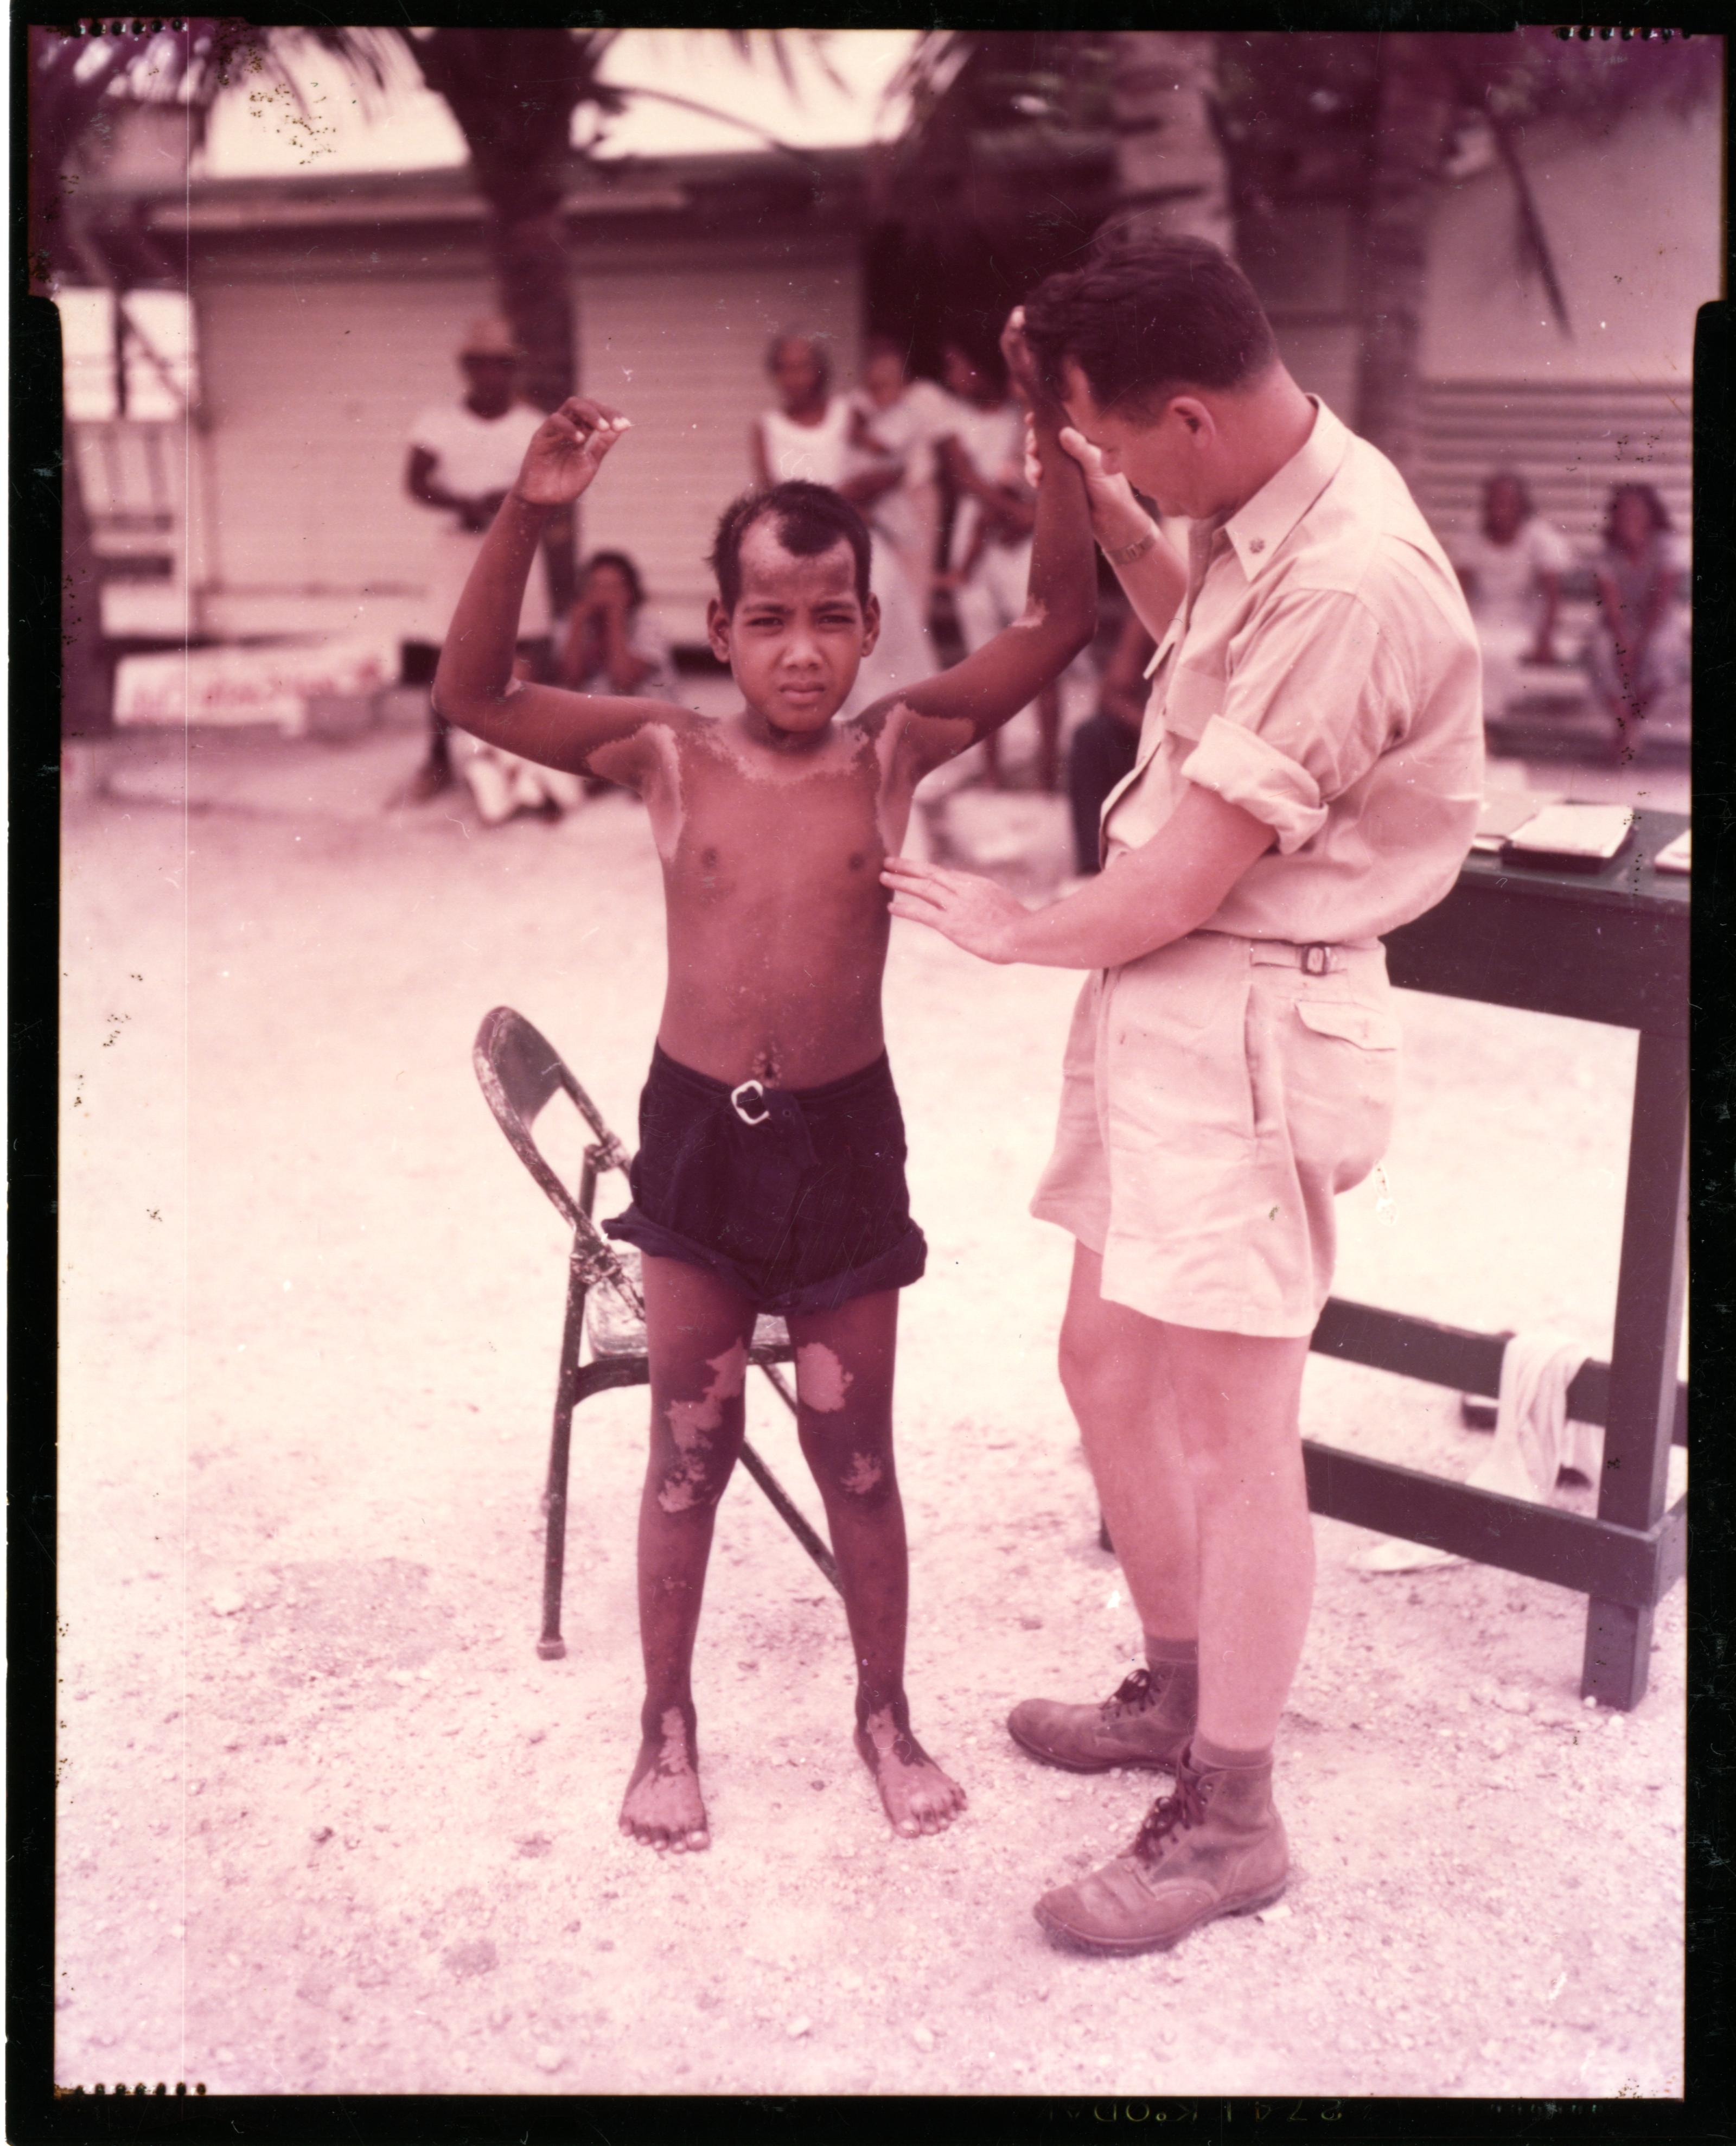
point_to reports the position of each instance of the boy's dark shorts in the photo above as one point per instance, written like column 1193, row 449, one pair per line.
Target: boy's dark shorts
column 800, row 1210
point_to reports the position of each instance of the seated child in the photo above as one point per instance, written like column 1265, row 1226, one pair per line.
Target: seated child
column 770, row 1175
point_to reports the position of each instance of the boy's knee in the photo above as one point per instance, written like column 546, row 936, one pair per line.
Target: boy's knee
column 704, row 1434
column 693, row 1484
column 1081, row 1366
column 862, row 1474
column 821, row 1382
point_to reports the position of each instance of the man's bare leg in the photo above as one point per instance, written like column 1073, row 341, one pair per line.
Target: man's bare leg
column 1236, row 1398
column 1216, row 1846
column 844, row 1365
column 1115, row 1369
column 698, row 1332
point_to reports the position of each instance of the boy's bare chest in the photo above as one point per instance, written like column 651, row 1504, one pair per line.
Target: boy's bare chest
column 743, row 837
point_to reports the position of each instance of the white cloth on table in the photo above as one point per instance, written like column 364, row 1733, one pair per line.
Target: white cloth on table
column 1535, row 1440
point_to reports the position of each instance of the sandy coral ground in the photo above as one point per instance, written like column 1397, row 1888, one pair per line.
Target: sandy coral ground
column 326, row 1824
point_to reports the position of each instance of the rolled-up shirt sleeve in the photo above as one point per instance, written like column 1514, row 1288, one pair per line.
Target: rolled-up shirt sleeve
column 1311, row 699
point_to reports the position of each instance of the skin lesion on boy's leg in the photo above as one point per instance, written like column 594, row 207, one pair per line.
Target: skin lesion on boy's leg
column 663, row 1806
column 695, row 1439
column 917, row 1795
column 698, row 1473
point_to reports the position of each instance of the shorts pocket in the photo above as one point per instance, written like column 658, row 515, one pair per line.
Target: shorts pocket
column 1362, row 1025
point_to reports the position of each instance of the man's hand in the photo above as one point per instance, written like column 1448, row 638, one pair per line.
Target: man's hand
column 974, row 913
column 1117, row 517
column 567, row 451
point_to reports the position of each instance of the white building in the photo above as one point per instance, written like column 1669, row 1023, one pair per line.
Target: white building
column 326, row 311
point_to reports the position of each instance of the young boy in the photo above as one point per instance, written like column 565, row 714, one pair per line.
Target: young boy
column 770, row 1175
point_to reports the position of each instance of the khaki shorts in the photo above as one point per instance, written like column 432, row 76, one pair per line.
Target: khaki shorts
column 1215, row 1096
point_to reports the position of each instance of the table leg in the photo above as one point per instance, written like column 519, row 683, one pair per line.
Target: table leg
column 1643, row 1360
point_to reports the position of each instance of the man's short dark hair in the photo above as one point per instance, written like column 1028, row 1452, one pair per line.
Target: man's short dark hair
column 810, row 519
column 1148, row 318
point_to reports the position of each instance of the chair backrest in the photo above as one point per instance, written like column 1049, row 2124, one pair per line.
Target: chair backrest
column 518, row 1071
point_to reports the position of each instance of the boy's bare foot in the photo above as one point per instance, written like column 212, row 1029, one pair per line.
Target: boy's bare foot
column 663, row 1806
column 918, row 1797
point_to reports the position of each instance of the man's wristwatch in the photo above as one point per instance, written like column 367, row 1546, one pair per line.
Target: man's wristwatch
column 1136, row 550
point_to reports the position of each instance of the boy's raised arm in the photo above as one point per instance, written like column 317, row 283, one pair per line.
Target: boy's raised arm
column 958, row 707
column 474, row 686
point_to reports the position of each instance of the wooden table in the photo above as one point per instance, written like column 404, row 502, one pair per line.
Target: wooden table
column 1611, row 946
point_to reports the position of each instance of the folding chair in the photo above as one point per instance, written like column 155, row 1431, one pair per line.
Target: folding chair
column 520, row 1072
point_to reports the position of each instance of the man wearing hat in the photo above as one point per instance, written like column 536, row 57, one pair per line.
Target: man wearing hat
column 463, row 457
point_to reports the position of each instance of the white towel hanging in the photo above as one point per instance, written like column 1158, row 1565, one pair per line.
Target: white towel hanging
column 1535, row 1440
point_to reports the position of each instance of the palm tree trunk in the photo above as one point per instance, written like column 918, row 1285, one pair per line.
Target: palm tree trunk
column 1413, row 116
column 534, row 276
column 513, row 93
column 1171, row 178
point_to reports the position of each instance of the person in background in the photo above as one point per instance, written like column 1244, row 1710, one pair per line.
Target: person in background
column 814, row 438
column 1511, row 570
column 612, row 644
column 982, row 452
column 894, row 414
column 1104, row 746
column 1638, row 650
column 463, row 457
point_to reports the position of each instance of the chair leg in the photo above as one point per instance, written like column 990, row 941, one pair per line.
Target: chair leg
column 550, row 1646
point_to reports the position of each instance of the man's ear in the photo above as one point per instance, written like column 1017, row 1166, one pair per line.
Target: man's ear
column 717, row 629
column 1196, row 416
column 871, row 614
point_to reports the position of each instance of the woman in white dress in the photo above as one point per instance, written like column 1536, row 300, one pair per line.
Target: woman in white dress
column 809, row 436
column 898, row 416
column 1511, row 569
column 1639, row 654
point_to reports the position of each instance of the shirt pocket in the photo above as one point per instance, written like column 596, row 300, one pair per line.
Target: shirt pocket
column 1194, row 696
column 1367, row 1028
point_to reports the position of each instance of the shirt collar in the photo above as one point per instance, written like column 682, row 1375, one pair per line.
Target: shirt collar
column 1258, row 529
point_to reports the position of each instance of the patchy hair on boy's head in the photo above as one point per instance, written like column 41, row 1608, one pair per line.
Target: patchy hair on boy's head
column 809, row 519
column 1148, row 318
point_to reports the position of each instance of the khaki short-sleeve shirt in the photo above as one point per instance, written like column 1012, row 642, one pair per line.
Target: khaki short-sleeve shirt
column 1322, row 673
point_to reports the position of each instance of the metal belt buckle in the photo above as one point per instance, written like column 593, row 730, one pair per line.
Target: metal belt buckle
column 737, row 1093
column 1317, row 959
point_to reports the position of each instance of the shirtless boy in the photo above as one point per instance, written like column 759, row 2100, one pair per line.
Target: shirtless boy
column 770, row 1175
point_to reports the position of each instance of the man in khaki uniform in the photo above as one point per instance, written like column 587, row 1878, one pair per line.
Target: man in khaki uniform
column 1308, row 777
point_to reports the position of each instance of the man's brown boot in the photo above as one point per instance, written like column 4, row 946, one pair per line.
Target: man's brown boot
column 1146, row 1724
column 1215, row 1847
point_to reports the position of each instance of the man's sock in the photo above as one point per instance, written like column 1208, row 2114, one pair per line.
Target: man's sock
column 1162, row 1654
column 1207, row 1755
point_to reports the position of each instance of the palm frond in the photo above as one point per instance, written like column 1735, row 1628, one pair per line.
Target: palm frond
column 1533, row 238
